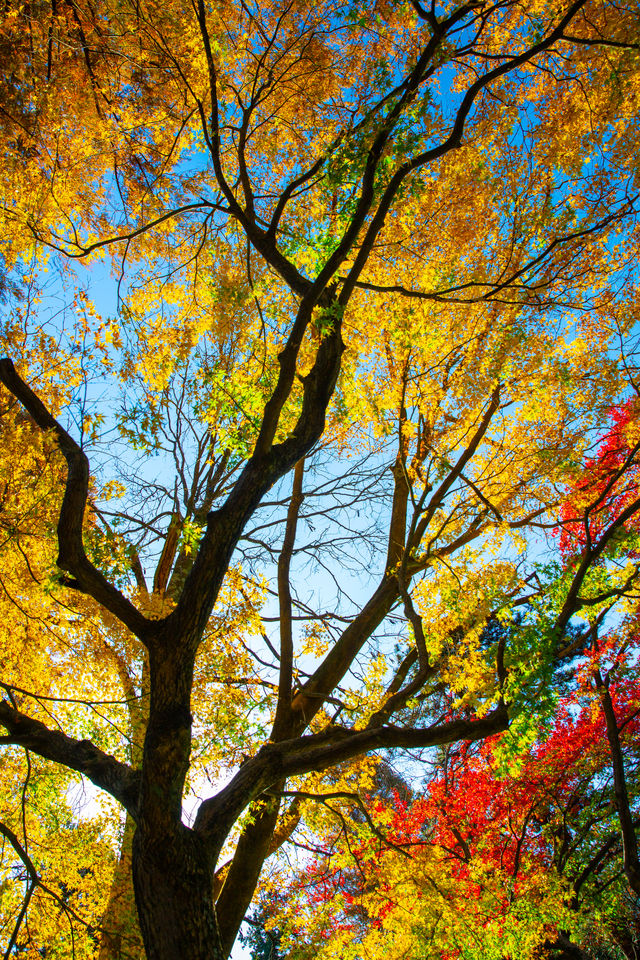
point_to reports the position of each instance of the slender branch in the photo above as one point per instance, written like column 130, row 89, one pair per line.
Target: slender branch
column 446, row 295
column 573, row 601
column 357, row 799
column 261, row 240
column 439, row 494
column 425, row 670
column 34, row 880
column 283, row 709
column 451, row 142
column 121, row 237
column 597, row 861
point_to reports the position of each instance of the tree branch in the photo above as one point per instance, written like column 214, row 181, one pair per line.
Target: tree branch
column 72, row 556
column 283, row 709
column 105, row 771
column 629, row 841
column 275, row 762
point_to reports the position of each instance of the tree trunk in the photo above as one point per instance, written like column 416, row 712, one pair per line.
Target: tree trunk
column 563, row 948
column 240, row 883
column 174, row 897
column 625, row 940
column 121, row 937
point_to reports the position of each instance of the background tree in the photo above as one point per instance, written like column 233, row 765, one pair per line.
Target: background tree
column 496, row 859
column 345, row 240
column 525, row 844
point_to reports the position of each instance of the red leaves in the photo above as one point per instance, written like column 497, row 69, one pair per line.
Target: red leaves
column 475, row 823
column 608, row 483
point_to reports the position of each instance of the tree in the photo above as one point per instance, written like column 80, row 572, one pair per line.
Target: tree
column 345, row 238
column 493, row 859
column 525, row 844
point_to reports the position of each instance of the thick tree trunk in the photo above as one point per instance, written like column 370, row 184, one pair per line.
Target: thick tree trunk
column 172, row 879
column 121, row 937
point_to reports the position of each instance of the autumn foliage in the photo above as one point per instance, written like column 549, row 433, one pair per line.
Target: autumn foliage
column 509, row 848
column 606, row 486
column 319, row 458
column 489, row 861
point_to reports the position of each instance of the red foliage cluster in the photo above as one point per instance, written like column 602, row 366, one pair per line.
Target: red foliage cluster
column 609, row 482
column 478, row 812
column 554, row 812
column 520, row 824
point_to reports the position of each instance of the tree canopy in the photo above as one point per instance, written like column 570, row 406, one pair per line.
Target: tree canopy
column 320, row 454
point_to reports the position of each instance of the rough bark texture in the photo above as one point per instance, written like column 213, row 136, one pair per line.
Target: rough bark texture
column 172, row 879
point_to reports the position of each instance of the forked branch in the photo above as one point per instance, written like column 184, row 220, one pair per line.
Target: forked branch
column 71, row 553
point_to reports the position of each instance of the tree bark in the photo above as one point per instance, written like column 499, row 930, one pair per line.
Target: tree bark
column 172, row 879
column 253, row 848
column 627, row 827
column 121, row 937
column 563, row 948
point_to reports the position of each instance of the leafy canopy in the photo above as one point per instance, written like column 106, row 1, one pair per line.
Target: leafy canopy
column 314, row 313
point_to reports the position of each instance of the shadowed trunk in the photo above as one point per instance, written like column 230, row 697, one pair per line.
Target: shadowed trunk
column 563, row 948
column 174, row 897
column 253, row 848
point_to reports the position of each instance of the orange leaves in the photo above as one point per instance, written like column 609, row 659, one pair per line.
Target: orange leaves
column 447, row 193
